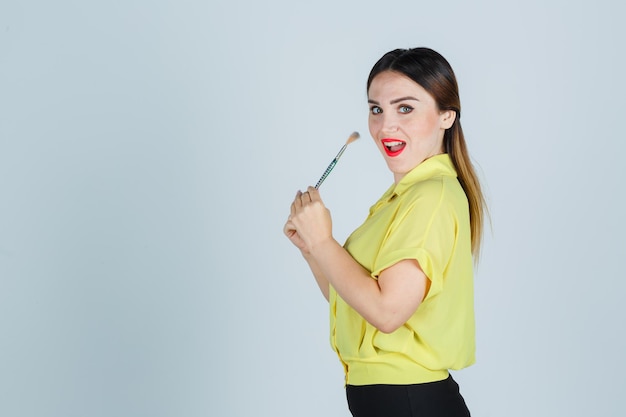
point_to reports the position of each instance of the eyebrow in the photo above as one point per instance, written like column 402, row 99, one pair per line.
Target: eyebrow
column 394, row 101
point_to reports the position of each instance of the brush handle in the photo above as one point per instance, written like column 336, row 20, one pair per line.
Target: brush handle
column 325, row 174
column 331, row 166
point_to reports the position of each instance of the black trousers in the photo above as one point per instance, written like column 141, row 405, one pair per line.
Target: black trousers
column 432, row 399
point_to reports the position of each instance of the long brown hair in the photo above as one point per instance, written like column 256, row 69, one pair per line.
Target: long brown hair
column 433, row 72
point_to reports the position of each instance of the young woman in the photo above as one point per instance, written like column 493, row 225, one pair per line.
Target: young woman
column 401, row 288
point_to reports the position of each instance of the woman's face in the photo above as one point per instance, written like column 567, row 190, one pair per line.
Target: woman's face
column 405, row 122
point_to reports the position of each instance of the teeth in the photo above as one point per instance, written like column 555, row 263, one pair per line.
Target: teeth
column 390, row 144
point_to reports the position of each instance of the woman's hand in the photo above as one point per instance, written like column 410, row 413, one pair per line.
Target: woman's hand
column 309, row 222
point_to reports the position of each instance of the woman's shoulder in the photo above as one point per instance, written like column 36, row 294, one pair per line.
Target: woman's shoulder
column 435, row 192
column 435, row 187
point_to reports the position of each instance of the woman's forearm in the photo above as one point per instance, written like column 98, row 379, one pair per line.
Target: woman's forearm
column 321, row 280
column 387, row 302
column 352, row 282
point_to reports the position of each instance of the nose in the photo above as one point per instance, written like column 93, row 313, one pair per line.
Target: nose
column 389, row 122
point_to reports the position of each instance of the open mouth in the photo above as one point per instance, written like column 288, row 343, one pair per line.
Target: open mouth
column 393, row 147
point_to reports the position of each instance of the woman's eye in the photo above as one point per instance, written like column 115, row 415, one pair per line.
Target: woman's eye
column 406, row 109
column 376, row 110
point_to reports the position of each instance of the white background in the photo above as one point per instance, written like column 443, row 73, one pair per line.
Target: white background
column 149, row 151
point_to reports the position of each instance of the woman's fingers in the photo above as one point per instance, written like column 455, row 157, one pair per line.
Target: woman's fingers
column 305, row 197
column 289, row 228
column 313, row 194
column 308, row 220
column 298, row 200
column 293, row 204
column 302, row 199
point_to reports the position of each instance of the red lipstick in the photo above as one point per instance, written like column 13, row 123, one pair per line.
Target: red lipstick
column 393, row 147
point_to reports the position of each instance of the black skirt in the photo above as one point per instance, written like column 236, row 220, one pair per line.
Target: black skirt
column 432, row 399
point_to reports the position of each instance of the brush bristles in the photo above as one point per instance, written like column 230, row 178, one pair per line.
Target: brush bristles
column 354, row 136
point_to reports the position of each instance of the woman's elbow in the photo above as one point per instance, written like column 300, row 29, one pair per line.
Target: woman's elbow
column 393, row 320
column 389, row 326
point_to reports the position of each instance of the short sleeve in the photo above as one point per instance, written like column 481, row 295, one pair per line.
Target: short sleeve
column 424, row 229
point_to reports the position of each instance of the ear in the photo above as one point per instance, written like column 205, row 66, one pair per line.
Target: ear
column 447, row 118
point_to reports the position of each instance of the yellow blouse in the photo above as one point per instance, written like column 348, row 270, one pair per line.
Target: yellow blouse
column 424, row 217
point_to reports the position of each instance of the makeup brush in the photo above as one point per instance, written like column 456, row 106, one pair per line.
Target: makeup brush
column 354, row 136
